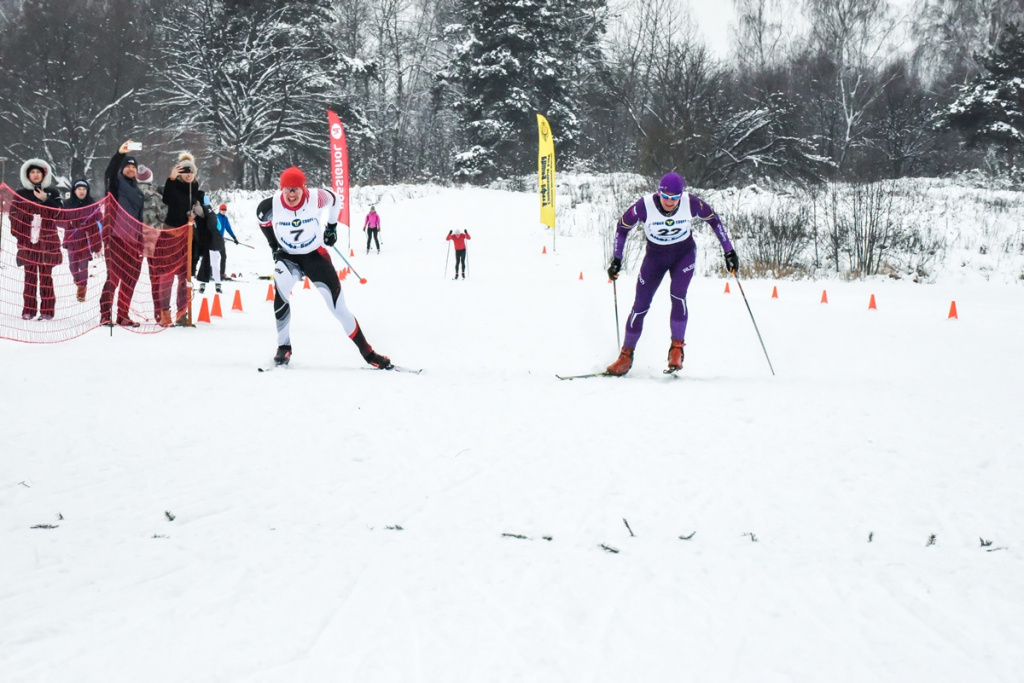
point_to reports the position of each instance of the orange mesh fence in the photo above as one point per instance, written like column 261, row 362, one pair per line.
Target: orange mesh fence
column 64, row 272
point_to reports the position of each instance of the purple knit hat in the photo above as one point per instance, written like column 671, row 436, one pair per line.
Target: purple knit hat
column 672, row 183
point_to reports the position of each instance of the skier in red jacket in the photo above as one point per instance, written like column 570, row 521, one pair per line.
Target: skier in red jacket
column 459, row 237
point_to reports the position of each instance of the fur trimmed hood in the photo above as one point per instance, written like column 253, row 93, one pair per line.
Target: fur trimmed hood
column 38, row 163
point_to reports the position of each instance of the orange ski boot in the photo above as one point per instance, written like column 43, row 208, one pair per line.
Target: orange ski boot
column 622, row 364
column 675, row 355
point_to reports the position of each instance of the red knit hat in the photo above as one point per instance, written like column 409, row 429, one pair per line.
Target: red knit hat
column 222, row 207
column 293, row 177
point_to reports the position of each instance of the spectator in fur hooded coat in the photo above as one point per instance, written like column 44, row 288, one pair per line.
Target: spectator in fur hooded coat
column 35, row 231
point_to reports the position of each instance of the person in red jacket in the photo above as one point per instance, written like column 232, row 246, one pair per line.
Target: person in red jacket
column 459, row 237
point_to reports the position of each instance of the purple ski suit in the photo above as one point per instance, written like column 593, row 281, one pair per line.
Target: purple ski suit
column 670, row 249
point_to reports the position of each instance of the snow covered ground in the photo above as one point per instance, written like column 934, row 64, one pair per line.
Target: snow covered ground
column 484, row 521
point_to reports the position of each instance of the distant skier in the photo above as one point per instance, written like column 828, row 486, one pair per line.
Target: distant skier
column 459, row 237
column 291, row 221
column 372, row 229
column 224, row 226
column 670, row 249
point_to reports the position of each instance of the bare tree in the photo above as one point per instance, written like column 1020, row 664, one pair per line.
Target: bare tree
column 761, row 38
column 848, row 39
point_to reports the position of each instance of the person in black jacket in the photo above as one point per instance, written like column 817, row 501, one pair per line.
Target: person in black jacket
column 185, row 202
column 35, row 231
column 122, row 237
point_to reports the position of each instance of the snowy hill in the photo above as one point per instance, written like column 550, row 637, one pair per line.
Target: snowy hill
column 170, row 514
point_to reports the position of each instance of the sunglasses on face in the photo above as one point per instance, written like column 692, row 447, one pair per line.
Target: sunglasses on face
column 671, row 197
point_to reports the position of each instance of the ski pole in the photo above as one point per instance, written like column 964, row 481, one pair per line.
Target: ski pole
column 446, row 257
column 362, row 280
column 737, row 276
column 615, row 293
column 243, row 244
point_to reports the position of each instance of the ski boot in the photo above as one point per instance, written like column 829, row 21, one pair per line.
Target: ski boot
column 622, row 364
column 220, row 290
column 377, row 360
column 675, row 355
column 283, row 355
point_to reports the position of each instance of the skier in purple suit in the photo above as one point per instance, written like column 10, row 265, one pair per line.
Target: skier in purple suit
column 670, row 249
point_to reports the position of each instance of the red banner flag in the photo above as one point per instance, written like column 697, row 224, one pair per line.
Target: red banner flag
column 339, row 165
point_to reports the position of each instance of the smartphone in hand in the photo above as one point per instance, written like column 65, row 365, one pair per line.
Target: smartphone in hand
column 134, row 146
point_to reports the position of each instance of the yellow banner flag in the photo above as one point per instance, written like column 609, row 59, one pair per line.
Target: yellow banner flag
column 546, row 173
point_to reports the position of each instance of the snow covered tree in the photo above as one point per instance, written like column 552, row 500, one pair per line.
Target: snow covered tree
column 252, row 84
column 953, row 34
column 512, row 59
column 70, row 88
column 990, row 110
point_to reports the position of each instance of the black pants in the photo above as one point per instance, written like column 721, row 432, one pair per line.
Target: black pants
column 460, row 257
column 371, row 234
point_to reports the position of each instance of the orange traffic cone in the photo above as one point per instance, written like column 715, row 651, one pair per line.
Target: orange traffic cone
column 726, row 287
column 775, row 292
column 952, row 312
column 544, row 249
column 236, row 305
column 204, row 311
column 343, row 273
column 351, row 253
column 581, row 274
column 824, row 297
column 871, row 304
column 270, row 292
column 305, row 283
column 215, row 311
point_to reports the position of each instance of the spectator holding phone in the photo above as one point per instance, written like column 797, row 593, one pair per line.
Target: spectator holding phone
column 122, row 235
column 33, row 225
column 184, row 202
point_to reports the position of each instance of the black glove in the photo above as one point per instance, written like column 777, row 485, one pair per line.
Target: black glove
column 236, row 241
column 732, row 261
column 614, row 268
column 331, row 234
column 279, row 254
column 449, row 232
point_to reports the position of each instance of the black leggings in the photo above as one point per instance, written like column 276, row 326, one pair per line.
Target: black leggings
column 371, row 234
column 460, row 257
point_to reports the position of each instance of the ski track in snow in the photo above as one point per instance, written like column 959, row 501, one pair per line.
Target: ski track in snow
column 280, row 564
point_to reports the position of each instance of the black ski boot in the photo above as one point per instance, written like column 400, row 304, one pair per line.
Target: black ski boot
column 283, row 355
column 377, row 360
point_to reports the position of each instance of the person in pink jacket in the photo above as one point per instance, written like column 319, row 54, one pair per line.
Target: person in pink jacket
column 459, row 237
column 372, row 229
